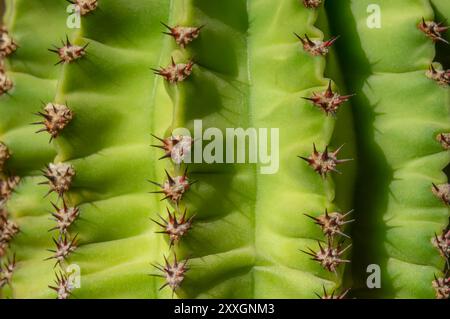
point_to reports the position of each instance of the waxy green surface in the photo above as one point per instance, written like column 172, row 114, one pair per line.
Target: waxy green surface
column 250, row 71
column 398, row 113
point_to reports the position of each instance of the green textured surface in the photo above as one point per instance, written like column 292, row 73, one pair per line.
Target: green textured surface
column 250, row 71
column 398, row 112
column 258, row 82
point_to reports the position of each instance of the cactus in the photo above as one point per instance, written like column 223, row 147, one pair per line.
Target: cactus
column 94, row 180
column 399, row 114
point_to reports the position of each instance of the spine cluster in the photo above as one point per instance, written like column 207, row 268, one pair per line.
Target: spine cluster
column 8, row 182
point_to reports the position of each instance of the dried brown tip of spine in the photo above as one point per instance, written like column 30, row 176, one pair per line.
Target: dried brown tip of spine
column 5, row 82
column 85, row 6
column 329, row 257
column 64, row 217
column 442, row 192
column 442, row 287
column 55, row 118
column 174, row 273
column 173, row 226
column 442, row 77
column 312, row 3
column 174, row 187
column 62, row 286
column 7, row 44
column 332, row 295
column 444, row 139
column 316, row 47
column 69, row 53
column 332, row 223
column 176, row 72
column 433, row 30
column 324, row 162
column 59, row 177
column 7, row 186
column 5, row 154
column 328, row 101
column 64, row 247
column 175, row 147
column 183, row 35
column 7, row 271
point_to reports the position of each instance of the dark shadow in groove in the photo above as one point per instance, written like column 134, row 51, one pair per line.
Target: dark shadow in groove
column 374, row 175
column 442, row 49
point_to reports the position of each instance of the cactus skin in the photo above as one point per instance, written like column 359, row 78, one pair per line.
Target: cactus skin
column 103, row 160
column 399, row 112
column 34, row 80
column 260, row 258
column 243, row 233
column 113, row 255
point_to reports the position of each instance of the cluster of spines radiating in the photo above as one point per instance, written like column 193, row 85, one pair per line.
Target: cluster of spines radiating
column 441, row 241
column 331, row 249
column 176, row 223
column 8, row 182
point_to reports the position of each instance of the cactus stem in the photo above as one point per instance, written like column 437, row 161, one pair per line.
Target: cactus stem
column 175, row 73
column 442, row 192
column 328, row 101
column 183, row 35
column 316, row 47
column 332, row 223
column 56, row 117
column 324, row 162
column 7, row 44
column 433, row 30
column 175, row 228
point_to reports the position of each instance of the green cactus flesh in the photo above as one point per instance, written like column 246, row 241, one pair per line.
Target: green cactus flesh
column 94, row 194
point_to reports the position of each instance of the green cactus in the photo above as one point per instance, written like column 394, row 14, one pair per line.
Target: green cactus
column 399, row 113
column 109, row 132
